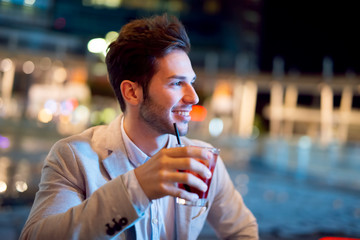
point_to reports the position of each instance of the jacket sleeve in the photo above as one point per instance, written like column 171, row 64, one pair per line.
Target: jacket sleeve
column 62, row 211
column 228, row 214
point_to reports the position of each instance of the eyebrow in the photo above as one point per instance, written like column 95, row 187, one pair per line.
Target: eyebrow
column 180, row 77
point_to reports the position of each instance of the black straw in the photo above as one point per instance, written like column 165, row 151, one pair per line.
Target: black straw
column 187, row 187
column 177, row 134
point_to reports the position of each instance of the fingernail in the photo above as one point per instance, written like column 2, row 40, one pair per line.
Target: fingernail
column 208, row 174
column 204, row 187
column 194, row 197
column 209, row 155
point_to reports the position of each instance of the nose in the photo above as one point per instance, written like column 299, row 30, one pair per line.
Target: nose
column 190, row 95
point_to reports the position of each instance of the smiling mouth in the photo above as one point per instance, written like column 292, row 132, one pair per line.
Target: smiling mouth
column 182, row 113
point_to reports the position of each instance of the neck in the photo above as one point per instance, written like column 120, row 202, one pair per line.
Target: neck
column 145, row 138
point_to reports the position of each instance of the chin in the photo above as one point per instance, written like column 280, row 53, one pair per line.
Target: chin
column 183, row 128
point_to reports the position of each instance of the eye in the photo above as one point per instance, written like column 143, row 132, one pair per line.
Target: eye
column 177, row 83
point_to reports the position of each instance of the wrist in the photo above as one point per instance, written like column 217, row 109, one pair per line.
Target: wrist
column 136, row 193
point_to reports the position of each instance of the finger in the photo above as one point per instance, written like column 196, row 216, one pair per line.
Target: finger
column 190, row 151
column 191, row 164
column 178, row 192
column 187, row 178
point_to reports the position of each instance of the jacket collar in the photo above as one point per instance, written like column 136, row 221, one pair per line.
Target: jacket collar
column 117, row 162
column 113, row 140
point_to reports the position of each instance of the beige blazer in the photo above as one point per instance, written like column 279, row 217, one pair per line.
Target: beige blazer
column 82, row 191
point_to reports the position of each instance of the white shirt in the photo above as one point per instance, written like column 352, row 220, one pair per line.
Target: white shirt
column 158, row 221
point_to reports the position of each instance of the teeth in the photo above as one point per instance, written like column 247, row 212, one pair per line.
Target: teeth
column 183, row 113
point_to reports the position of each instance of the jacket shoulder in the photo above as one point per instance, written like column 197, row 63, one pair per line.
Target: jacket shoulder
column 85, row 136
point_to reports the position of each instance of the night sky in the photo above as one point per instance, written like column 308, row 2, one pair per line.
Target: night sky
column 304, row 32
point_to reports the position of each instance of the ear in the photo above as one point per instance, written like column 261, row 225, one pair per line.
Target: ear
column 131, row 92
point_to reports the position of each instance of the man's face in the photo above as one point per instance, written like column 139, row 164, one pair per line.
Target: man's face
column 170, row 95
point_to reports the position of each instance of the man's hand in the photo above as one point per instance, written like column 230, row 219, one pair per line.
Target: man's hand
column 159, row 175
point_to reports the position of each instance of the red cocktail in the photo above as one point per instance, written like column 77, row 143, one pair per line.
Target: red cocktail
column 202, row 195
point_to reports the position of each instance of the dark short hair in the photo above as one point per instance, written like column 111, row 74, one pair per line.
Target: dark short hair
column 133, row 55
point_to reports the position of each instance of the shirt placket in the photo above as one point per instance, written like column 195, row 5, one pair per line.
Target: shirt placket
column 154, row 211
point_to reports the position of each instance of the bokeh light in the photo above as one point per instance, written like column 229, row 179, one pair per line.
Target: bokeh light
column 60, row 75
column 222, row 98
column 111, row 36
column 66, row 107
column 216, row 127
column 95, row 118
column 81, row 114
column 104, row 116
column 198, row 113
column 45, row 115
column 74, row 102
column 97, row 45
column 4, row 142
column 3, row 186
column 108, row 115
column 28, row 67
column 64, row 119
column 51, row 105
column 60, row 23
column 21, row 186
column 6, row 64
column 29, row 2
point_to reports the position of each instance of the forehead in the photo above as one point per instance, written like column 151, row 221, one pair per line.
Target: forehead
column 175, row 63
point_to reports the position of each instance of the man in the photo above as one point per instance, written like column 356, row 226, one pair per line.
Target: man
column 119, row 181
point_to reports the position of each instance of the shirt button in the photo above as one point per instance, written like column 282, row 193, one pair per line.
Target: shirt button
column 154, row 221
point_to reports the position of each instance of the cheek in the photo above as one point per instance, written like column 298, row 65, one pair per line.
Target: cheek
column 166, row 97
column 170, row 99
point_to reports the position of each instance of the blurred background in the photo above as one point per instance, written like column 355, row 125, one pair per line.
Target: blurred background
column 279, row 92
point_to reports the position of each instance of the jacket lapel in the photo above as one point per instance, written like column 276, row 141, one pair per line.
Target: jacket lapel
column 117, row 162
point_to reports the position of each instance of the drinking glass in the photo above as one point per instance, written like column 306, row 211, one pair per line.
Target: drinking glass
column 202, row 195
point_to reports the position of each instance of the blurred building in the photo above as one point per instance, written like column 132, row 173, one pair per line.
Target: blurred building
column 47, row 45
column 278, row 86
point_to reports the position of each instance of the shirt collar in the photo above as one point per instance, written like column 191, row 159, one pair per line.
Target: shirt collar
column 135, row 155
